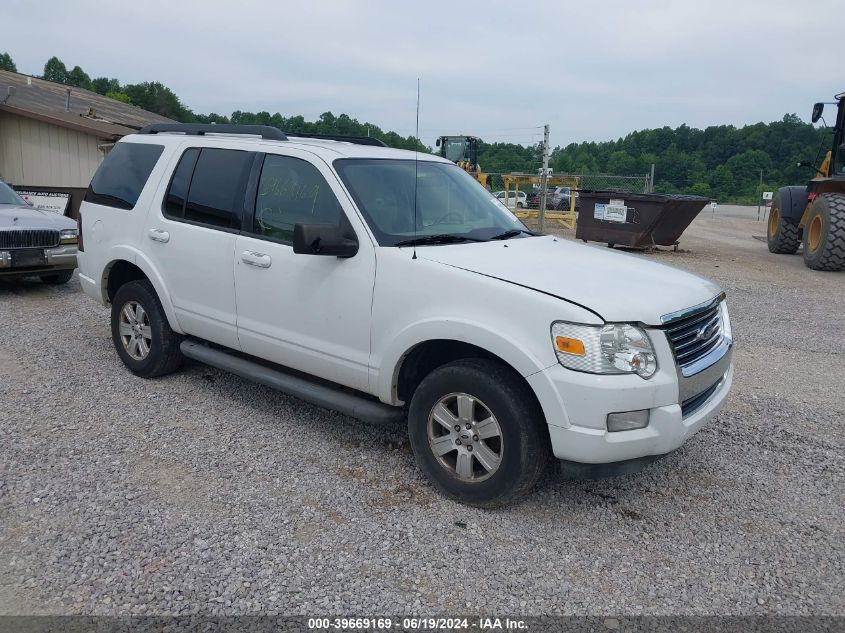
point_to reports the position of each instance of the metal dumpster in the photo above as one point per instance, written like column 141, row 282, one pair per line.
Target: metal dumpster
column 635, row 219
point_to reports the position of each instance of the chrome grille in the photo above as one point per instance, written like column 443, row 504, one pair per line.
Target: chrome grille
column 29, row 238
column 694, row 335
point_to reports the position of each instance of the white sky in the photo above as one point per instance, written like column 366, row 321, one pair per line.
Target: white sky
column 500, row 70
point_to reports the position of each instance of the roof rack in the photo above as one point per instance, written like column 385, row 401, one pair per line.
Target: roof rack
column 201, row 129
column 358, row 140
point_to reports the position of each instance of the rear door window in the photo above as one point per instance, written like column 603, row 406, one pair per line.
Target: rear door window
column 121, row 177
column 208, row 187
column 217, row 187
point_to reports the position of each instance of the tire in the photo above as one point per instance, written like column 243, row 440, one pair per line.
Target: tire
column 519, row 205
column 57, row 278
column 163, row 355
column 783, row 235
column 824, row 233
column 518, row 454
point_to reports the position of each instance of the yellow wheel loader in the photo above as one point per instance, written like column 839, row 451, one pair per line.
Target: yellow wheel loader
column 463, row 151
column 815, row 214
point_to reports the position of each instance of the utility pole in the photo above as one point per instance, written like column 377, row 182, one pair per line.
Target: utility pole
column 759, row 195
column 544, row 178
column 651, row 180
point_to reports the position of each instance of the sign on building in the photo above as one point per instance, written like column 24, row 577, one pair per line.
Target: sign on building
column 55, row 201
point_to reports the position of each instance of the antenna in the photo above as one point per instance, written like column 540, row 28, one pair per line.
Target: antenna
column 416, row 162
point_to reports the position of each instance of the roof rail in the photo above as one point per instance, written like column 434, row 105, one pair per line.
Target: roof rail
column 358, row 140
column 201, row 129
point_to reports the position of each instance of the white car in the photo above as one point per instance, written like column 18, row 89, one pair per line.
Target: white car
column 389, row 285
column 513, row 199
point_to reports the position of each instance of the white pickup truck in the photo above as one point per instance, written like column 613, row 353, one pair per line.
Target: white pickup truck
column 389, row 285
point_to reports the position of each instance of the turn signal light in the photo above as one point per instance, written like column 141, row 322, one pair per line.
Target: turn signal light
column 569, row 345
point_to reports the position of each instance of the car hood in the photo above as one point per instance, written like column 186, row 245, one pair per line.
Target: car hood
column 26, row 217
column 616, row 286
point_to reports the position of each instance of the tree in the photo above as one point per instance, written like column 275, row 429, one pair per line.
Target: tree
column 7, row 63
column 55, row 70
column 158, row 98
column 104, row 85
column 79, row 78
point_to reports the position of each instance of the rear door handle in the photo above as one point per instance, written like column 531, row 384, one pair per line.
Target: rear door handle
column 157, row 235
column 259, row 260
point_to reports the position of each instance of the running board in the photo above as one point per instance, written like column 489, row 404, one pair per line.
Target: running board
column 313, row 392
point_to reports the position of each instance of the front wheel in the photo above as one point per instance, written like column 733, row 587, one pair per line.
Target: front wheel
column 478, row 433
column 141, row 334
column 56, row 279
column 824, row 233
column 783, row 235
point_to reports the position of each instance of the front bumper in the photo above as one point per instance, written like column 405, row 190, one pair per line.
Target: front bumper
column 576, row 406
column 56, row 258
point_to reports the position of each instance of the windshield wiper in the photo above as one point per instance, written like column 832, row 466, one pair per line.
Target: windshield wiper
column 512, row 233
column 443, row 238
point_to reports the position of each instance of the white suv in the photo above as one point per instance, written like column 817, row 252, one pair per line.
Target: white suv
column 387, row 284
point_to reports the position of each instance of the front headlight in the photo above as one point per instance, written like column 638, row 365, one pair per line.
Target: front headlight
column 726, row 320
column 69, row 236
column 616, row 348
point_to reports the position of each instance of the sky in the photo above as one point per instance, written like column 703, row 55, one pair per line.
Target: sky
column 593, row 71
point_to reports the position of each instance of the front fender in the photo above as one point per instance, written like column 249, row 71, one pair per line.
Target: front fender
column 134, row 256
column 496, row 342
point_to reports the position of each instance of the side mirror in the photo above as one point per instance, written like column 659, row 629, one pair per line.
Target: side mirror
column 818, row 108
column 438, row 142
column 323, row 239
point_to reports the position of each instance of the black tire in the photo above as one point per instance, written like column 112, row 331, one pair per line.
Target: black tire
column 824, row 233
column 164, row 355
column 56, row 279
column 782, row 235
column 523, row 446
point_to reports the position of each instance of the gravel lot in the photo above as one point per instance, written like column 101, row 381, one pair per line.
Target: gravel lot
column 203, row 493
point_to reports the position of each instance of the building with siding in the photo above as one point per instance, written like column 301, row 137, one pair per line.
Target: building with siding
column 53, row 137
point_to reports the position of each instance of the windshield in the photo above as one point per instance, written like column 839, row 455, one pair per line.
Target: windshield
column 10, row 196
column 449, row 200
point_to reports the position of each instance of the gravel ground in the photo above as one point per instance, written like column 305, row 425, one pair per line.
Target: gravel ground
column 202, row 493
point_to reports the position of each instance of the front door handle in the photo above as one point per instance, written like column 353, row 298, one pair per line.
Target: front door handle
column 157, row 235
column 259, row 260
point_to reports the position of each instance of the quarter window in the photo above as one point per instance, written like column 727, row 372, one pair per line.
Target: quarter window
column 123, row 174
column 292, row 191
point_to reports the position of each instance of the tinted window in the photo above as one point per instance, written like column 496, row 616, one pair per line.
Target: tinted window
column 292, row 191
column 122, row 175
column 217, row 187
column 177, row 192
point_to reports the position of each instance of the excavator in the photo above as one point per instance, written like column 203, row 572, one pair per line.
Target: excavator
column 814, row 214
column 463, row 151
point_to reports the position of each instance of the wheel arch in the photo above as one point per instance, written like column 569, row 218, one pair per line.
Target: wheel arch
column 129, row 266
column 426, row 356
column 793, row 201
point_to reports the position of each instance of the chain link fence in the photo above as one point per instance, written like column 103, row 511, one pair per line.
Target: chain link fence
column 596, row 182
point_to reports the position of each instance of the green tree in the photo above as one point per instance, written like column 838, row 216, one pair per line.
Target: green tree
column 79, row 78
column 7, row 63
column 119, row 96
column 104, row 85
column 158, row 98
column 55, row 70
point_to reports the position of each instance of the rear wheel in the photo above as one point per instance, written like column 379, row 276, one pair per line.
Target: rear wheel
column 783, row 235
column 57, row 278
column 141, row 334
column 824, row 233
column 477, row 432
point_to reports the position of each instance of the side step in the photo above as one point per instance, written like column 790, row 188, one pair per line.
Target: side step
column 315, row 393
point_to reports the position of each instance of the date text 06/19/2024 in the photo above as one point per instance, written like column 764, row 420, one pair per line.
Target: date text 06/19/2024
column 418, row 624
